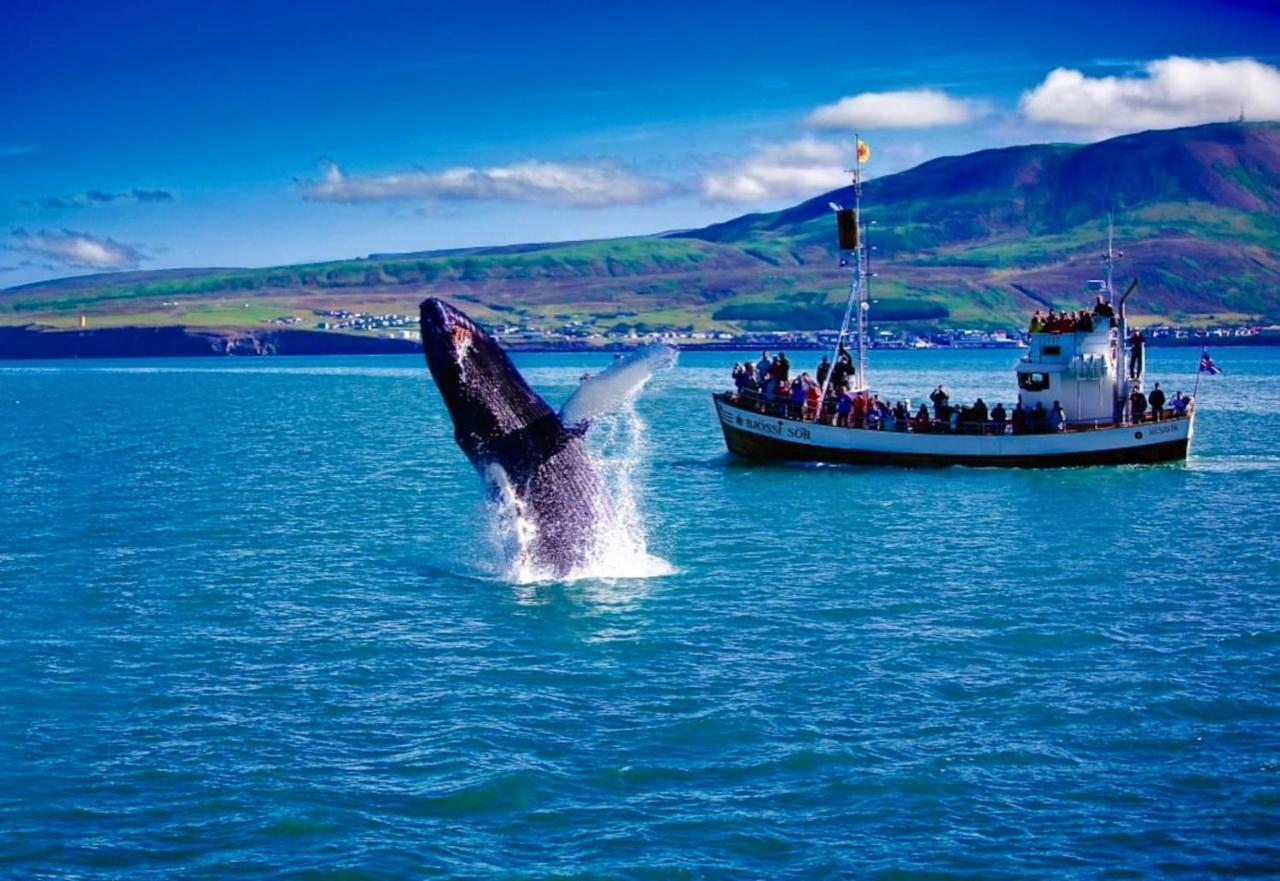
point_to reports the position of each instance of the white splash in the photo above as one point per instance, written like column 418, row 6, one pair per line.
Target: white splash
column 512, row 531
column 619, row 549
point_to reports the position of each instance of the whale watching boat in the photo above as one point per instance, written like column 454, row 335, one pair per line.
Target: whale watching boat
column 1080, row 405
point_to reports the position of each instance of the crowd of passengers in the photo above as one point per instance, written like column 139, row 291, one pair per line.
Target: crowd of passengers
column 769, row 387
column 1083, row 321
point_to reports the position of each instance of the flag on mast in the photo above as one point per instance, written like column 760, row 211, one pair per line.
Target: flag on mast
column 864, row 152
column 1206, row 363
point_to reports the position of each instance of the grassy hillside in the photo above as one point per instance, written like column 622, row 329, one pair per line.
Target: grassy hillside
column 978, row 240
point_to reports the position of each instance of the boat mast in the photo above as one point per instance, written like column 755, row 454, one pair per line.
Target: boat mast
column 857, row 288
column 1122, row 330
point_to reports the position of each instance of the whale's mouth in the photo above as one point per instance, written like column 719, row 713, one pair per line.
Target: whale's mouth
column 445, row 330
column 448, row 338
column 485, row 394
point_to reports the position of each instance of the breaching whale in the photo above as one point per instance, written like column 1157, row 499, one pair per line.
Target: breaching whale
column 521, row 447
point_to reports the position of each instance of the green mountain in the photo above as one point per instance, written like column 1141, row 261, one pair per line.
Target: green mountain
column 976, row 240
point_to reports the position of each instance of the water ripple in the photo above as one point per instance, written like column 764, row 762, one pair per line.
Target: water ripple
column 248, row 630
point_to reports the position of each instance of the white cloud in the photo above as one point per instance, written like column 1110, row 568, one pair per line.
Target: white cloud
column 800, row 168
column 576, row 185
column 77, row 249
column 1172, row 92
column 913, row 108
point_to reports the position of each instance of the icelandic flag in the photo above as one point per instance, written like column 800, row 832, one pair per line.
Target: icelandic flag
column 1207, row 365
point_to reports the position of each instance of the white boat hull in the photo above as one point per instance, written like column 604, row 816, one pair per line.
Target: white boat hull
column 756, row 435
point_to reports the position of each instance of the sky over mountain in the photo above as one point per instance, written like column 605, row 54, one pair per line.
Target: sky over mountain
column 158, row 134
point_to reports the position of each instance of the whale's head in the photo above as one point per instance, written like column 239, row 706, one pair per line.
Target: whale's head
column 485, row 394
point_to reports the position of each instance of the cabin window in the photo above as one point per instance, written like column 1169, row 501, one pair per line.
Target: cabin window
column 1033, row 382
column 1051, row 350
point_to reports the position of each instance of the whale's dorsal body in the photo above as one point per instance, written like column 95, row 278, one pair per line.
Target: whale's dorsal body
column 513, row 438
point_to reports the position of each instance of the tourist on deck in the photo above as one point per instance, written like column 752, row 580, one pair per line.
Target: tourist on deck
column 739, row 377
column 1057, row 418
column 939, row 398
column 782, row 399
column 1019, row 417
column 824, row 368
column 1103, row 309
column 873, row 416
column 859, row 410
column 999, row 418
column 979, row 414
column 811, row 398
column 1136, row 343
column 1156, row 400
column 782, row 367
column 764, row 375
column 1037, row 419
column 1138, row 405
column 843, row 369
column 902, row 415
column 844, row 408
column 1179, row 404
column 921, row 422
column 1084, row 322
column 1037, row 323
column 797, row 396
column 763, row 365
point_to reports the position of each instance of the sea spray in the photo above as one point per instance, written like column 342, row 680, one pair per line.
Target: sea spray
column 620, row 548
column 619, row 539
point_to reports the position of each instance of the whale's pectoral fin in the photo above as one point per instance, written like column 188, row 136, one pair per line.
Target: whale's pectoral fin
column 613, row 386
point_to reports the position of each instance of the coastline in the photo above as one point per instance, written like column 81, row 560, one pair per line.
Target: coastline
column 27, row 342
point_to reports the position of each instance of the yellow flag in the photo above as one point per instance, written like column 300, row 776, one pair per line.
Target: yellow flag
column 864, row 152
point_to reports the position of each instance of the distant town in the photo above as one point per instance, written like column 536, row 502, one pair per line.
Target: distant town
column 575, row 333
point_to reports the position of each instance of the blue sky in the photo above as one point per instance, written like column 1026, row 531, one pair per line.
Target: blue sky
column 152, row 135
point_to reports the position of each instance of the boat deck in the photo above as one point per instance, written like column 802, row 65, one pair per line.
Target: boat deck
column 756, row 430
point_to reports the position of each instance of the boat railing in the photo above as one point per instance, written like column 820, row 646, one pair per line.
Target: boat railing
column 788, row 409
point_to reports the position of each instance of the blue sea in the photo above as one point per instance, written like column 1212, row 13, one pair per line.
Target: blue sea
column 254, row 623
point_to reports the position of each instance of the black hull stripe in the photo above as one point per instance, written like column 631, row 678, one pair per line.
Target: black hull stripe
column 754, row 446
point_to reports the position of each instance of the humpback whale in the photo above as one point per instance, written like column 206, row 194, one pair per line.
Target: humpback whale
column 522, row 448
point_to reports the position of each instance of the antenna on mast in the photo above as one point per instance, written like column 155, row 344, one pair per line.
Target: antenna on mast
column 1108, row 259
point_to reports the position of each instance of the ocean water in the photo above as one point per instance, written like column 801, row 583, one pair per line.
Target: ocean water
column 254, row 623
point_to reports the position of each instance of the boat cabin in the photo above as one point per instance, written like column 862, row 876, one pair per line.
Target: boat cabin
column 1082, row 371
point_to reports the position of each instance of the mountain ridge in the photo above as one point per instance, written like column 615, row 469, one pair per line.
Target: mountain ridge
column 979, row 239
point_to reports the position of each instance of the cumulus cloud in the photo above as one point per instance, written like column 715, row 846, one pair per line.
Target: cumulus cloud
column 1171, row 92
column 912, row 108
column 97, row 197
column 575, row 185
column 797, row 168
column 78, row 249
